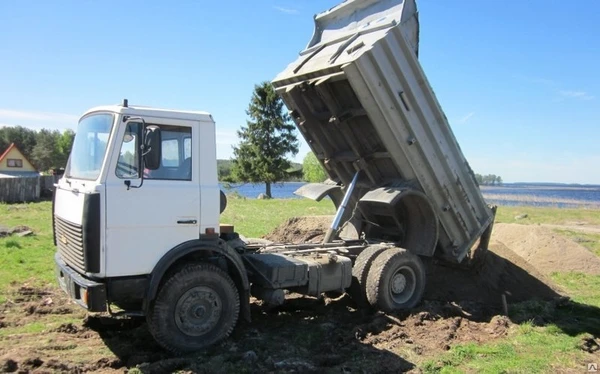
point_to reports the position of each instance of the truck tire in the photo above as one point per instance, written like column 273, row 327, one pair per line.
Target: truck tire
column 196, row 307
column 396, row 280
column 360, row 270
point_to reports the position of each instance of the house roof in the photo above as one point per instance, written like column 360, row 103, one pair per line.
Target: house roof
column 14, row 147
column 10, row 147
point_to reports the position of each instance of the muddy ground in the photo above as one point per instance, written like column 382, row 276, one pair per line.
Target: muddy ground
column 49, row 334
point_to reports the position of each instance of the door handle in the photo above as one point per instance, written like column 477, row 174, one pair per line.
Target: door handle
column 187, row 222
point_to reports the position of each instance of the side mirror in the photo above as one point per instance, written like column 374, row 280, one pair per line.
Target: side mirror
column 152, row 147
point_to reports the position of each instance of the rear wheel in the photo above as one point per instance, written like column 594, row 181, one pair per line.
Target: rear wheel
column 360, row 270
column 396, row 280
column 196, row 307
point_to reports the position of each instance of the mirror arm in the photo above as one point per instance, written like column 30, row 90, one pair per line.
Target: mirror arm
column 128, row 182
column 148, row 151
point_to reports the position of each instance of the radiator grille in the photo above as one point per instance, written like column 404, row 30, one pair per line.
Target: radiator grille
column 69, row 240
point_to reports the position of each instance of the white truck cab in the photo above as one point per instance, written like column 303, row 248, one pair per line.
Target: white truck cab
column 115, row 216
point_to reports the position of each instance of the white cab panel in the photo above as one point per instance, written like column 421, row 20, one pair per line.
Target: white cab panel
column 143, row 224
column 69, row 205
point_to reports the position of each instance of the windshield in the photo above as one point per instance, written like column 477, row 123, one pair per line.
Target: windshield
column 89, row 147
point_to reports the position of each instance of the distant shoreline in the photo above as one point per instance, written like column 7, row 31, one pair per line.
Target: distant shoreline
column 508, row 194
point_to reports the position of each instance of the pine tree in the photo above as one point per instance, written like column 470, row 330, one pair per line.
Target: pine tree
column 265, row 140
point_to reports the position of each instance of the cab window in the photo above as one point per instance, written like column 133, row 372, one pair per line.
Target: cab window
column 176, row 163
column 127, row 165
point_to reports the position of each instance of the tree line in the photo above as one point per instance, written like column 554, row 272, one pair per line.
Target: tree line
column 45, row 149
column 488, row 180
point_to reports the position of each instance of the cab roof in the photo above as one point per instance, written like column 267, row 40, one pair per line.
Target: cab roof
column 143, row 111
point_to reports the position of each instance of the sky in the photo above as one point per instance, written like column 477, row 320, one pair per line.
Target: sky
column 519, row 81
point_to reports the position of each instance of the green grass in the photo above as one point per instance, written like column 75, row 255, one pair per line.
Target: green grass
column 529, row 349
column 29, row 328
column 28, row 259
column 38, row 216
column 583, row 288
column 255, row 218
column 590, row 241
column 537, row 215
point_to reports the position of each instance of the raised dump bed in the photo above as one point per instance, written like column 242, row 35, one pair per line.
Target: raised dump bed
column 363, row 103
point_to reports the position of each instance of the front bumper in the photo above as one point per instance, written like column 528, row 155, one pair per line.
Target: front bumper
column 87, row 293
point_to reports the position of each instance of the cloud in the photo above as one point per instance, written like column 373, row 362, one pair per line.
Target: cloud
column 37, row 120
column 465, row 118
column 37, row 116
column 286, row 10
column 555, row 86
column 582, row 95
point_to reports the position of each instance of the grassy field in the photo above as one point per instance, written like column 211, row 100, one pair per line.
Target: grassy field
column 28, row 259
column 589, row 240
column 254, row 218
column 543, row 215
column 547, row 338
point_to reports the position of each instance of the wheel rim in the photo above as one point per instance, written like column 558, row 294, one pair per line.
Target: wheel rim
column 403, row 284
column 198, row 311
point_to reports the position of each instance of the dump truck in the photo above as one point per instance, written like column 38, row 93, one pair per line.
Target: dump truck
column 136, row 215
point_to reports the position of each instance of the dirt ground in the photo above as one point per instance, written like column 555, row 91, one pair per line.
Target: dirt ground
column 305, row 334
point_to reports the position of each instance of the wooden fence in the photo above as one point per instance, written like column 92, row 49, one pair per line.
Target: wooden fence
column 26, row 189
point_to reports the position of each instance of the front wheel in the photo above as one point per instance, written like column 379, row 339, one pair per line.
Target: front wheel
column 396, row 280
column 196, row 307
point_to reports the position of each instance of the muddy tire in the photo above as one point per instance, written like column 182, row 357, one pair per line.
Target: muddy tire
column 396, row 280
column 360, row 270
column 196, row 307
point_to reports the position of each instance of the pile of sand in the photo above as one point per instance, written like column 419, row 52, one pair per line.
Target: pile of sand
column 545, row 249
column 310, row 229
column 502, row 272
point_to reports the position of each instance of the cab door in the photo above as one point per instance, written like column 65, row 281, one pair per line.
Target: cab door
column 148, row 218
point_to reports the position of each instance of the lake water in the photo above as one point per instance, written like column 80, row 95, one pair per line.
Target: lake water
column 507, row 194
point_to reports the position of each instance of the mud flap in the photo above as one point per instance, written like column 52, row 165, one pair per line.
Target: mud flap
column 318, row 191
column 402, row 215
